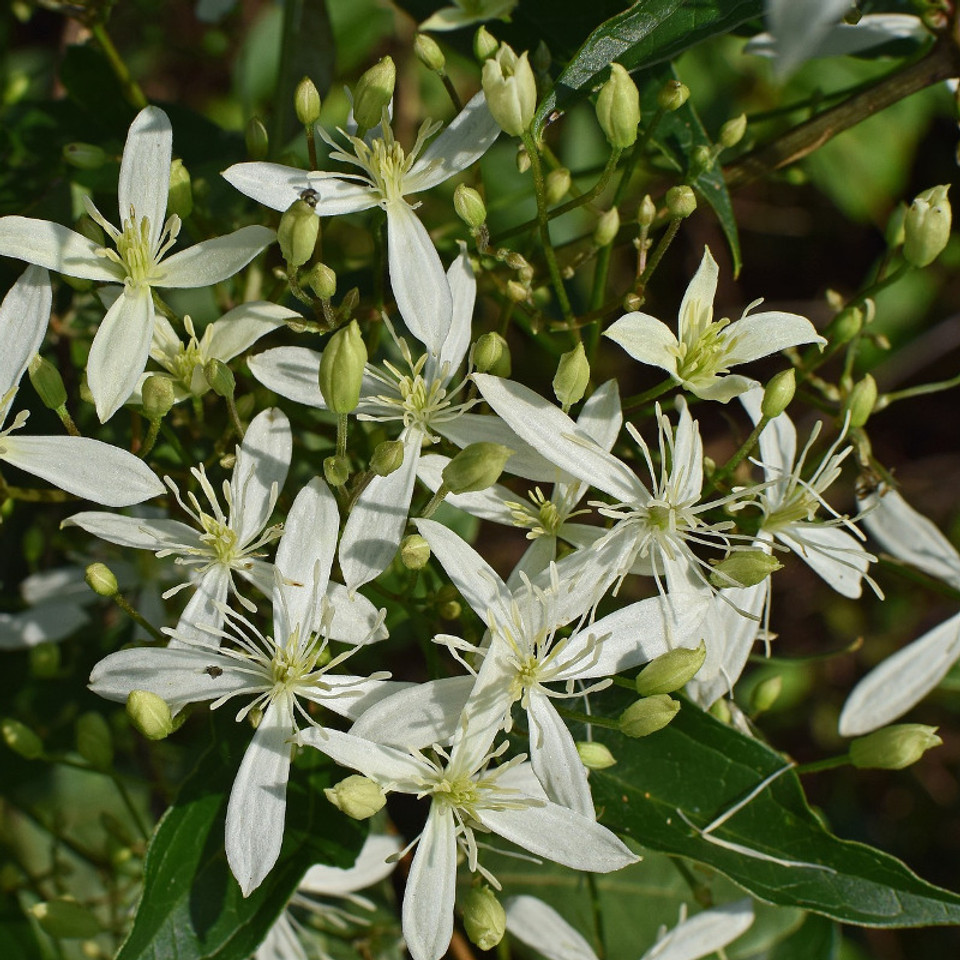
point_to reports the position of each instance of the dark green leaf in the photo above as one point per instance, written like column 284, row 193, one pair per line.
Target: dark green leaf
column 817, row 938
column 191, row 907
column 16, row 934
column 698, row 769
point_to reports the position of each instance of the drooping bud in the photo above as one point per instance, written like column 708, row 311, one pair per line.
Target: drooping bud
column 322, row 280
column 926, row 226
column 744, row 568
column 511, row 90
column 894, row 747
column 357, row 796
column 485, row 44
column 681, row 201
column 65, row 920
column 766, row 693
column 862, row 400
column 469, row 206
column 572, row 377
column 48, row 383
column 731, row 133
column 150, row 714
column 670, row 671
column 778, row 393
column 484, row 918
column 476, row 467
column 336, row 470
column 373, row 93
column 306, row 102
column 21, row 739
column 648, row 716
column 341, row 369
column 414, row 552
column 673, row 95
column 180, row 194
column 429, row 53
column 100, row 580
column 84, row 156
column 257, row 139
column 387, row 457
column 297, row 233
column 491, row 354
column 557, row 185
column 608, row 225
column 158, row 396
column 220, row 377
column 94, row 740
column 595, row 756
column 618, row 108
column 647, row 212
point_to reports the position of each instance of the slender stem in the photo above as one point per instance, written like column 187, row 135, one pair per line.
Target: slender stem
column 67, row 421
column 151, row 438
column 721, row 475
column 311, row 146
column 599, row 940
column 435, row 501
column 131, row 807
column 658, row 252
column 124, row 604
column 641, row 399
column 829, row 763
column 234, row 415
column 131, row 89
column 588, row 718
column 917, row 391
column 451, row 91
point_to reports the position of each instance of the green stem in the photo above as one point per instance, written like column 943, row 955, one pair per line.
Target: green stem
column 918, row 391
column 131, row 89
column 67, row 421
column 451, row 91
column 131, row 807
column 658, row 252
column 721, row 475
column 829, row 763
column 599, row 941
column 588, row 718
column 342, row 424
column 151, row 438
column 642, row 399
column 124, row 604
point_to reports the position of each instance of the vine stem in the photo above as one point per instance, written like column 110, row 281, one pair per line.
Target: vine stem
column 131, row 89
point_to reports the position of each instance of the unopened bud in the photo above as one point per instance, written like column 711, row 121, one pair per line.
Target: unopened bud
column 557, row 185
column 101, row 580
column 744, row 568
column 618, row 108
column 45, row 660
column 84, row 156
column 510, row 89
column 484, row 918
column 894, row 234
column 150, row 714
column 862, row 400
column 648, row 715
column 342, row 366
column 631, row 302
column 926, row 226
column 608, row 225
column 846, row 326
column 517, row 292
column 721, row 710
column 336, row 470
column 469, row 206
column 647, row 212
column 485, row 44
column 572, row 377
column 595, row 756
column 48, row 383
column 158, row 396
column 306, row 102
column 894, row 747
column 491, row 354
column 257, row 139
column 778, row 393
column 373, row 93
column 731, row 133
column 21, row 739
column 356, row 796
column 220, row 377
column 681, row 202
column 180, row 193
column 414, row 552
column 476, row 467
column 523, row 159
column 297, row 233
column 766, row 693
column 673, row 95
column 429, row 53
column 94, row 740
column 670, row 671
column 387, row 457
column 322, row 280
column 65, row 920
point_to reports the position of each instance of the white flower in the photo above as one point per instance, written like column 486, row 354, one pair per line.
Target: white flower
column 81, row 466
column 388, row 175
column 55, row 599
column 120, row 347
column 276, row 671
column 699, row 356
column 465, row 13
column 900, row 682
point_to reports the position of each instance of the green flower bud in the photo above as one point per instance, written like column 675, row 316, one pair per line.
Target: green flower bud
column 100, row 580
column 485, row 44
column 618, row 108
column 94, row 740
column 766, row 693
column 673, row 95
column 65, row 920
column 702, row 158
column 648, row 715
column 322, row 280
column 595, row 756
column 306, row 102
column 476, row 467
column 84, row 156
column 180, row 193
column 342, row 365
column 491, row 354
column 894, row 747
column 647, row 212
column 517, row 292
column 484, row 918
column 894, row 234
column 721, row 710
column 846, row 326
column 414, row 552
column 608, row 225
column 257, row 139
column 926, row 226
column 511, row 90
column 469, row 206
column 541, row 59
column 557, row 185
column 572, row 377
column 523, row 159
column 356, row 796
column 731, row 133
column 48, row 383
column 336, row 470
column 632, row 302
column 373, row 93
column 297, row 233
column 744, row 568
column 45, row 660
column 681, row 202
column 150, row 714
column 387, row 457
column 670, row 671
column 429, row 53
column 778, row 393
column 21, row 739
column 158, row 396
column 862, row 400
column 220, row 377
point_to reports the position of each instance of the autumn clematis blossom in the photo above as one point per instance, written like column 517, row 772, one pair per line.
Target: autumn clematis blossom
column 700, row 354
column 138, row 259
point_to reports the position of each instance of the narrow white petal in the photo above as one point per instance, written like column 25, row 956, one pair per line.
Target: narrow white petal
column 338, row 196
column 293, row 372
column 463, row 291
column 721, row 389
column 555, row 759
column 204, row 609
column 24, row 315
column 704, row 934
column 258, row 801
column 371, row 867
column 239, row 328
column 272, row 184
column 900, row 682
column 260, row 471
column 646, row 339
column 540, row 926
column 145, row 169
column 760, row 334
column 85, row 467
column 57, row 248
column 387, row 765
column 686, row 471
column 46, row 624
column 601, row 417
column 535, row 560
column 778, row 445
column 282, row 941
column 136, row 532
column 211, row 261
column 696, row 308
column 833, row 553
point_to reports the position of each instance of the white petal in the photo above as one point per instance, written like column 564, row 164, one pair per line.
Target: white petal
column 293, row 372
column 760, row 334
column 371, row 867
column 239, row 328
column 145, row 169
column 262, row 462
column 537, row 558
column 463, row 291
column 139, row 533
column 45, row 624
column 282, row 941
column 833, row 553
column 338, row 195
column 799, row 26
column 57, row 248
column 351, row 696
column 542, row 928
column 900, row 682
column 601, row 417
column 211, row 261
column 85, row 467
column 696, row 308
column 387, row 765
column 686, row 471
column 24, row 315
column 204, row 609
column 704, row 934
column 721, row 389
column 272, row 184
column 354, row 618
column 646, row 339
column 258, row 800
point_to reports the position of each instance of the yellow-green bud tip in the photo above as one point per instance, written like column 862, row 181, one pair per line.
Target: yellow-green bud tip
column 557, row 185
column 778, row 393
column 322, row 280
column 670, row 671
column 731, row 133
column 681, row 202
column 926, row 226
column 484, row 918
column 743, row 568
column 894, row 747
column 673, row 95
column 356, row 796
column 429, row 53
column 485, row 44
column 48, row 383
column 373, row 93
column 862, row 400
column 84, row 156
column 469, row 206
column 572, row 377
column 158, row 396
column 511, row 90
column 306, row 102
column 336, row 470
column 297, row 233
column 766, row 693
column 257, row 139
column 608, row 225
column 220, row 377
column 387, row 457
column 150, row 714
column 414, row 552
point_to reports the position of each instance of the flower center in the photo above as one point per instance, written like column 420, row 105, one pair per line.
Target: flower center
column 706, row 356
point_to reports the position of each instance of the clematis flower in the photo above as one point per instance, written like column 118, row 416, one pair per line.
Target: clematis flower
column 82, row 466
column 465, row 13
column 277, row 672
column 122, row 343
column 700, row 354
column 387, row 176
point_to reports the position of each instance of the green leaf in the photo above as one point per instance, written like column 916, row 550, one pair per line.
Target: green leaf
column 698, row 769
column 650, row 32
column 16, row 934
column 191, row 907
column 817, row 937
